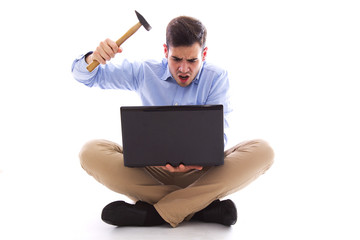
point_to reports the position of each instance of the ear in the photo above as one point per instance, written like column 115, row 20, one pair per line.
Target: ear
column 166, row 51
column 204, row 53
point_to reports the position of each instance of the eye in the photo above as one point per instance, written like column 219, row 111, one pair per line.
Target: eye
column 192, row 60
column 176, row 59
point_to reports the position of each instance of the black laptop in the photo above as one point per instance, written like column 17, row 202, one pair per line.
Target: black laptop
column 157, row 135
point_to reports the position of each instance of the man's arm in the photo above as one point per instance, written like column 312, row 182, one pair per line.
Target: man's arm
column 219, row 94
column 122, row 75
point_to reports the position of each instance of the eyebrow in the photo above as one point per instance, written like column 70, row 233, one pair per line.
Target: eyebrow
column 179, row 59
column 192, row 59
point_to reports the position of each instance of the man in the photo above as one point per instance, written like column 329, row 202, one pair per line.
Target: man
column 169, row 194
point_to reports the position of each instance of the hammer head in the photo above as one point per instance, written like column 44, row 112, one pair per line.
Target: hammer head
column 143, row 21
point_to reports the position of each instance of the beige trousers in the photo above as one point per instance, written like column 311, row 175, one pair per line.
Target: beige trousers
column 176, row 196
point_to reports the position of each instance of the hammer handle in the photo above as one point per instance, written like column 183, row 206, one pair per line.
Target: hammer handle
column 120, row 41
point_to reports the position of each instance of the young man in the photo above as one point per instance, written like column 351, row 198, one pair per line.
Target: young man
column 169, row 194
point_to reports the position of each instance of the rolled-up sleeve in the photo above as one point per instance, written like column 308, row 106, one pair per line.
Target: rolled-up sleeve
column 109, row 76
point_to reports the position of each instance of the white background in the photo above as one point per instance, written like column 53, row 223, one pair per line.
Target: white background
column 294, row 72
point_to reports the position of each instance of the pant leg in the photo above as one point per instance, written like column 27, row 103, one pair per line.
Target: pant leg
column 103, row 160
column 243, row 164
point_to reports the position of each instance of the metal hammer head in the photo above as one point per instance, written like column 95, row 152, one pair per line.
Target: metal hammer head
column 143, row 21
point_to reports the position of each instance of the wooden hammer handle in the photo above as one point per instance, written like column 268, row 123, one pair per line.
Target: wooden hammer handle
column 120, row 41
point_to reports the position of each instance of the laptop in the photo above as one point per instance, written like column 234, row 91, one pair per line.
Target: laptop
column 158, row 135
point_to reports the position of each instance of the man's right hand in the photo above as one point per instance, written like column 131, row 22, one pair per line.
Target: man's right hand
column 104, row 52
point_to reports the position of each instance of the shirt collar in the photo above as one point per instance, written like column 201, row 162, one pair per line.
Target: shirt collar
column 167, row 75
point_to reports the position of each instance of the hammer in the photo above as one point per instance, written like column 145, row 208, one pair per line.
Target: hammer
column 128, row 34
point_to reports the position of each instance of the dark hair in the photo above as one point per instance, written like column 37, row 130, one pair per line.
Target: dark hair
column 185, row 31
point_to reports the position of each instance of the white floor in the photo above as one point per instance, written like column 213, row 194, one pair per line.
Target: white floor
column 42, row 200
column 66, row 203
column 39, row 205
column 294, row 74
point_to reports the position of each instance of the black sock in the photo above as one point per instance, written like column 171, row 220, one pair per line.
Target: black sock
column 222, row 212
column 153, row 218
column 201, row 215
column 120, row 213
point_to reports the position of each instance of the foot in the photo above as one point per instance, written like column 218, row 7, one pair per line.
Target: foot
column 120, row 213
column 222, row 212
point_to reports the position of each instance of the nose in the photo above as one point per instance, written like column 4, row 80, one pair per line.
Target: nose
column 183, row 67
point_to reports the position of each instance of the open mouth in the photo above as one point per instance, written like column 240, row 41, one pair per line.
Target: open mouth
column 184, row 78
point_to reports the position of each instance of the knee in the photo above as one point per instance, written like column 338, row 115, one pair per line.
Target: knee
column 89, row 152
column 258, row 150
column 265, row 151
column 97, row 150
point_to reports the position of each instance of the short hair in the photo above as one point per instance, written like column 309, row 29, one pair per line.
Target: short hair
column 185, row 31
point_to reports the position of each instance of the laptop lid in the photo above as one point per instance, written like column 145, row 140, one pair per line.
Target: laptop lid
column 157, row 135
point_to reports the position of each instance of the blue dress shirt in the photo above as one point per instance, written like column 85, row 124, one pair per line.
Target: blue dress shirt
column 155, row 85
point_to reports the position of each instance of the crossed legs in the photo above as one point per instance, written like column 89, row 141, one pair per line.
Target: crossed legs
column 176, row 196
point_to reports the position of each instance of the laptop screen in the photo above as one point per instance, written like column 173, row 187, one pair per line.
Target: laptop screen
column 157, row 135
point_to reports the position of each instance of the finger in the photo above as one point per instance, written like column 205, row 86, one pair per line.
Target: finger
column 196, row 167
column 111, row 44
column 96, row 56
column 170, row 168
column 113, row 47
column 100, row 55
column 107, row 51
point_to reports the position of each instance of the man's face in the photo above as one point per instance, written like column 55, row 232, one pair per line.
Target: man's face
column 185, row 62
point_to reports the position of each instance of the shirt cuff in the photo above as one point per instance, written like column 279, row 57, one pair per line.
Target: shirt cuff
column 81, row 63
column 79, row 70
column 81, row 60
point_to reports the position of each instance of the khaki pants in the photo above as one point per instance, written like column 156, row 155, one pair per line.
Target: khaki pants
column 176, row 196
